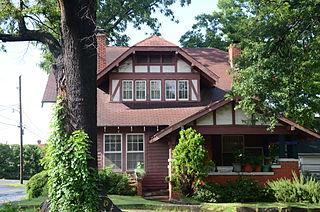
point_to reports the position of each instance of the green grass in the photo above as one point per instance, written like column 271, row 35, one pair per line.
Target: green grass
column 31, row 202
column 16, row 185
column 132, row 200
column 231, row 207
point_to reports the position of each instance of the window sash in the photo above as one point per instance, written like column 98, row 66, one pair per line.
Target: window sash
column 112, row 155
column 155, row 89
column 170, row 89
column 140, row 90
column 183, row 89
column 134, row 150
column 127, row 90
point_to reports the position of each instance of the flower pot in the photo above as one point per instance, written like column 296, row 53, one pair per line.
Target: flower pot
column 236, row 167
column 258, row 168
column 266, row 168
column 248, row 167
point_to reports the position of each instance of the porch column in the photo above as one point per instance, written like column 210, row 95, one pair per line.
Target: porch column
column 282, row 139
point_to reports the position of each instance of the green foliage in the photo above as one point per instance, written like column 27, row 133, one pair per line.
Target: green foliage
column 115, row 183
column 37, row 185
column 190, row 164
column 10, row 160
column 303, row 189
column 71, row 182
column 279, row 69
column 241, row 190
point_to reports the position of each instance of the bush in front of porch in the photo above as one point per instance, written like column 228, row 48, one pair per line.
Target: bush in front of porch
column 241, row 190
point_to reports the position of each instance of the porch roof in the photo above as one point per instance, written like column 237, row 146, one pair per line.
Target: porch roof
column 214, row 106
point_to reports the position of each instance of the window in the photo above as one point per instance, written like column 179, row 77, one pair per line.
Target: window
column 135, row 150
column 142, row 59
column 183, row 90
column 155, row 89
column 167, row 59
column 127, row 90
column 154, row 59
column 170, row 90
column 140, row 90
column 230, row 143
column 112, row 151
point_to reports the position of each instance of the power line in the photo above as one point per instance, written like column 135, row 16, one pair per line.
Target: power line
column 8, row 118
column 9, row 124
column 35, row 126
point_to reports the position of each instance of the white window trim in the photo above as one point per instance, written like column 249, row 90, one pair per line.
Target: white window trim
column 165, row 90
column 183, row 99
column 151, row 90
column 104, row 151
column 132, row 90
column 145, row 90
column 144, row 148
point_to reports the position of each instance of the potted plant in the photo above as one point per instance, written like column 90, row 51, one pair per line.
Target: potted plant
column 258, row 163
column 238, row 156
column 273, row 153
column 139, row 172
column 248, row 163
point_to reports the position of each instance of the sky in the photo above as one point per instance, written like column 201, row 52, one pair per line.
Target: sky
column 23, row 59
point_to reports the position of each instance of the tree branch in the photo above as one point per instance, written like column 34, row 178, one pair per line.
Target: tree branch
column 35, row 35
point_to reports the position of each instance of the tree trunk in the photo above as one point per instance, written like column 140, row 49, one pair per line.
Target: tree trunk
column 78, row 87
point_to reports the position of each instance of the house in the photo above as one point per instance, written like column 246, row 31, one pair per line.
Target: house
column 148, row 92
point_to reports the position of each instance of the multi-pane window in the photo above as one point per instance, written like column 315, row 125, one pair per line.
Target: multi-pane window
column 135, row 150
column 155, row 89
column 127, row 93
column 140, row 90
column 112, row 151
column 183, row 89
column 230, row 143
column 170, row 90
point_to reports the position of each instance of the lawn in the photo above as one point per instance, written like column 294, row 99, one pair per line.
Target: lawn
column 231, row 207
column 16, row 185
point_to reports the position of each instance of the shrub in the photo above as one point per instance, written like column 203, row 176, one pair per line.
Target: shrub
column 241, row 190
column 37, row 185
column 115, row 183
column 190, row 163
column 305, row 189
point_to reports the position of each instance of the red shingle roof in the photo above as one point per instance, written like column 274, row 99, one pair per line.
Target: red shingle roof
column 154, row 41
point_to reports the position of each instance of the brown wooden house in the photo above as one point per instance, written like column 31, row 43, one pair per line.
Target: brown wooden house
column 148, row 92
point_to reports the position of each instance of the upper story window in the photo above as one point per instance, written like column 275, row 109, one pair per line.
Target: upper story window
column 154, row 59
column 183, row 89
column 127, row 94
column 140, row 90
column 170, row 90
column 155, row 90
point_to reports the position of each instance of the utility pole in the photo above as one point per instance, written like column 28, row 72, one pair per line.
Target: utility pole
column 21, row 134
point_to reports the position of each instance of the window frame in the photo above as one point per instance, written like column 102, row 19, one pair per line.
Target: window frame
column 122, row 89
column 222, row 141
column 115, row 152
column 175, row 90
column 143, row 152
column 136, row 90
column 188, row 87
column 160, row 82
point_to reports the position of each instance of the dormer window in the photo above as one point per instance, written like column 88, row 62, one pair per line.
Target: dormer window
column 140, row 90
column 127, row 94
column 183, row 89
column 170, row 90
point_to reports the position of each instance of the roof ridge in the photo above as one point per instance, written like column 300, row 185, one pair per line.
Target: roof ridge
column 154, row 37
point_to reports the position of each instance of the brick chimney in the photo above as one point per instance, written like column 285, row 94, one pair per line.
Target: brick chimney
column 234, row 52
column 101, row 52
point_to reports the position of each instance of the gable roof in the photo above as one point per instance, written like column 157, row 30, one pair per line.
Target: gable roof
column 214, row 106
column 155, row 43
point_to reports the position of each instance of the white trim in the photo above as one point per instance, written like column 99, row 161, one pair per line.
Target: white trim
column 276, row 166
column 151, row 90
column 144, row 147
column 122, row 90
column 145, row 90
column 183, row 99
column 288, row 160
column 104, row 146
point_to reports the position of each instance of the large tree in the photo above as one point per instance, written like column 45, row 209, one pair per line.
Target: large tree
column 66, row 29
column 278, row 72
